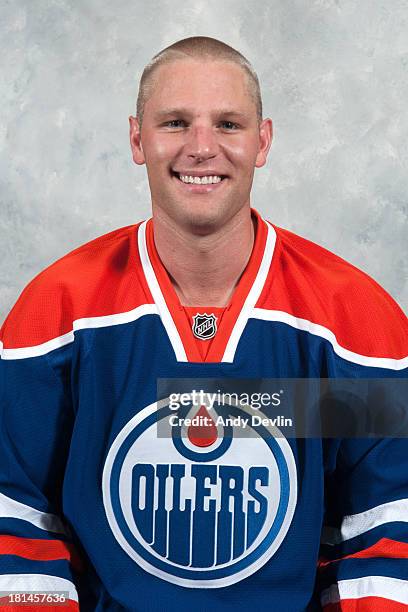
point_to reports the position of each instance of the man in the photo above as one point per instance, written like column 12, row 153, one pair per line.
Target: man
column 93, row 501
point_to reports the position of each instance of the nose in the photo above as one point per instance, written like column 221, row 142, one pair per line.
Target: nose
column 202, row 143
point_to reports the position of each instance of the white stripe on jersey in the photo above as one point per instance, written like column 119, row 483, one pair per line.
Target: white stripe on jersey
column 158, row 297
column 327, row 334
column 393, row 589
column 85, row 323
column 40, row 583
column 10, row 508
column 356, row 524
column 252, row 296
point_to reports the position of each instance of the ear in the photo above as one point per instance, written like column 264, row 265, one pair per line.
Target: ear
column 265, row 141
column 135, row 141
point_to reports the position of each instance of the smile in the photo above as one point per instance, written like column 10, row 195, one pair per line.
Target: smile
column 200, row 180
column 199, row 184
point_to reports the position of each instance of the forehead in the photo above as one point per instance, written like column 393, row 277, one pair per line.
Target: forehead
column 200, row 84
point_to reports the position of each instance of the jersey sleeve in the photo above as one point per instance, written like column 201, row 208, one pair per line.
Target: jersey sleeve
column 36, row 421
column 364, row 553
column 363, row 565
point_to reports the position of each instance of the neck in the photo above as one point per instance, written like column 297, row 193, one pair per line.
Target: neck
column 204, row 269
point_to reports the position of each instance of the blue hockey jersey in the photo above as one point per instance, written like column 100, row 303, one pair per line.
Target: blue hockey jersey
column 95, row 504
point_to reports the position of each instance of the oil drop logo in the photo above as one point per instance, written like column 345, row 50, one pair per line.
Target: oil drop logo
column 200, row 507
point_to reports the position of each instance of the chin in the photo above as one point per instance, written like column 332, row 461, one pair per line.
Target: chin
column 204, row 220
column 200, row 216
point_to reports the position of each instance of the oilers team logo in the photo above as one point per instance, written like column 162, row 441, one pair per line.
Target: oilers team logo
column 204, row 326
column 200, row 507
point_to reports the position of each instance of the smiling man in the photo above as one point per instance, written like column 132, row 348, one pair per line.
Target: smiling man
column 202, row 137
column 95, row 506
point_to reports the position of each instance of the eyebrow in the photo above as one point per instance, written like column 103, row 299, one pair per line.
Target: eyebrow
column 185, row 111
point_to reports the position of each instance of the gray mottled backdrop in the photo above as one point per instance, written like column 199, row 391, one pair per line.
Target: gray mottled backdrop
column 334, row 76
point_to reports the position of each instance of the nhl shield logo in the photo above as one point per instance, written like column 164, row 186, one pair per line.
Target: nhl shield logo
column 204, row 326
column 199, row 516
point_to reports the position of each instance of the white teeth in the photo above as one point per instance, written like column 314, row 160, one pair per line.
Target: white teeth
column 200, row 180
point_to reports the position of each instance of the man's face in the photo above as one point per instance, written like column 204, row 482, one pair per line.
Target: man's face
column 200, row 122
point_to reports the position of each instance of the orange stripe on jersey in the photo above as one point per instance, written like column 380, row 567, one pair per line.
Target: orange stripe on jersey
column 102, row 277
column 366, row 604
column 40, row 550
column 384, row 548
column 68, row 606
column 311, row 283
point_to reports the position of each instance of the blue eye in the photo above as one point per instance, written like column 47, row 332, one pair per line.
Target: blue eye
column 229, row 125
column 175, row 123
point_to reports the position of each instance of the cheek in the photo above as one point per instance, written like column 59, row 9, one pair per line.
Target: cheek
column 164, row 150
column 242, row 152
column 160, row 149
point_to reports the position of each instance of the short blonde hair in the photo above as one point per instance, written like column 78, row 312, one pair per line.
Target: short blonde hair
column 197, row 47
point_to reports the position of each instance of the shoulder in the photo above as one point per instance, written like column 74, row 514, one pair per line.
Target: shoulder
column 90, row 281
column 309, row 283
